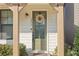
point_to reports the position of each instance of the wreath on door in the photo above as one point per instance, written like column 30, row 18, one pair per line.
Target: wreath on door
column 40, row 19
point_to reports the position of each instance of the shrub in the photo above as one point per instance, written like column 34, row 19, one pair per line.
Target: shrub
column 6, row 50
column 75, row 49
column 76, row 42
column 67, row 50
column 23, row 50
column 54, row 53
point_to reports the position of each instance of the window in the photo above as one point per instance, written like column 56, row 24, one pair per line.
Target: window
column 6, row 24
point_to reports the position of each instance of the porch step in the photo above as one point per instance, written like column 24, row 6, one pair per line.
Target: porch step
column 39, row 53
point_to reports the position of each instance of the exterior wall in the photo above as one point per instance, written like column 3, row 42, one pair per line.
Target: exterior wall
column 71, row 19
column 69, row 23
column 76, row 14
column 26, row 25
column 4, row 41
column 2, row 6
column 52, row 32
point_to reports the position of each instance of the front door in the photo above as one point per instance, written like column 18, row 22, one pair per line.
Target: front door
column 39, row 30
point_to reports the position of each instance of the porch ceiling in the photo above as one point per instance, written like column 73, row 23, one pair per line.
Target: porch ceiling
column 22, row 4
column 56, row 4
column 14, row 4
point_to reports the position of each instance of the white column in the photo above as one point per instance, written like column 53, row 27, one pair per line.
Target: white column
column 60, row 31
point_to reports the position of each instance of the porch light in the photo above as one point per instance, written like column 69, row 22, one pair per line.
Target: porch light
column 26, row 14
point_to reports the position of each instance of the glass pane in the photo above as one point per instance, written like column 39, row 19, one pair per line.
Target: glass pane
column 0, row 31
column 39, row 31
column 42, row 32
column 3, row 13
column 9, row 20
column 0, row 35
column 7, row 31
column 6, row 17
column 9, row 13
column 3, row 20
column 4, row 35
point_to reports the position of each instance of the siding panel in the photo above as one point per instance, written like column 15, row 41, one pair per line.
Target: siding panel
column 52, row 33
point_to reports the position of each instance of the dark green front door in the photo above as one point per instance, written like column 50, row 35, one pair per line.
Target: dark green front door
column 39, row 30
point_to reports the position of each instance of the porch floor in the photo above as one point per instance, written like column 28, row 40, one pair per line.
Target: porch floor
column 39, row 53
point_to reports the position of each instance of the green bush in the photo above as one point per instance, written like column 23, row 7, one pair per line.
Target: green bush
column 23, row 50
column 6, row 50
column 75, row 49
column 54, row 52
column 67, row 50
column 76, row 42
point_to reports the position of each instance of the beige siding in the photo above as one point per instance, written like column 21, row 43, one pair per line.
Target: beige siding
column 76, row 14
column 25, row 29
column 4, row 41
column 52, row 32
column 26, row 25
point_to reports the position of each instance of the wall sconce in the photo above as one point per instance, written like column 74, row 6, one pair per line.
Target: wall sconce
column 26, row 14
